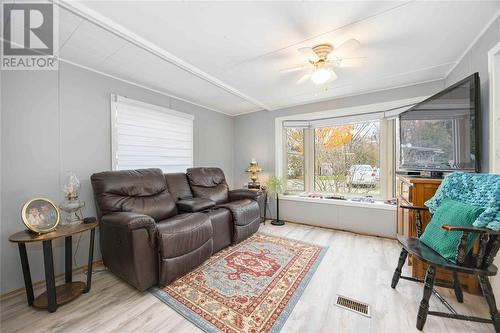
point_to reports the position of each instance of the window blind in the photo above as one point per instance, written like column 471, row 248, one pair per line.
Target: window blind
column 343, row 120
column 333, row 121
column 149, row 136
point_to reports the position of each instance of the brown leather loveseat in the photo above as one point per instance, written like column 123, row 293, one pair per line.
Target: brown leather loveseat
column 156, row 227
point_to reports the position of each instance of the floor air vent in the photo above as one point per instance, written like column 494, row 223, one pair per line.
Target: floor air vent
column 353, row 305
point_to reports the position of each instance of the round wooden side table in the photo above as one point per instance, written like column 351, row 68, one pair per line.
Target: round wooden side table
column 55, row 296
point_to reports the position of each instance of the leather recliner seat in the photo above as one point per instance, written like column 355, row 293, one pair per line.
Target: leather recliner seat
column 210, row 183
column 154, row 229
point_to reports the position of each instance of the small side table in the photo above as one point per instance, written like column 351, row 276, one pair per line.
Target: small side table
column 55, row 296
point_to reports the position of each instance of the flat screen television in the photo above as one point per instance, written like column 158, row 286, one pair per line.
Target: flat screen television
column 441, row 134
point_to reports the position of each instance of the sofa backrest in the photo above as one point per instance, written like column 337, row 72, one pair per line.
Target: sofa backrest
column 178, row 186
column 142, row 191
column 208, row 183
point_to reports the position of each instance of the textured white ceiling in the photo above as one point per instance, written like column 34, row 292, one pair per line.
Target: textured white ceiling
column 227, row 55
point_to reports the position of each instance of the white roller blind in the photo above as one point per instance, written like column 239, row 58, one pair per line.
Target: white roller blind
column 347, row 119
column 394, row 113
column 344, row 120
column 333, row 121
column 296, row 123
column 149, row 136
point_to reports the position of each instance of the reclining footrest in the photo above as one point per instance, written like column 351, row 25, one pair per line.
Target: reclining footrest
column 184, row 242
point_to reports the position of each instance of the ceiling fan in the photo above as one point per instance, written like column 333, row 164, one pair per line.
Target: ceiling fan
column 323, row 57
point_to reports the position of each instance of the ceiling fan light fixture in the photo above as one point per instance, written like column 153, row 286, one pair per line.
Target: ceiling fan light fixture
column 321, row 75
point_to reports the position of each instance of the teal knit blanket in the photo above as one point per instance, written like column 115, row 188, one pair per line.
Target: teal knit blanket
column 476, row 189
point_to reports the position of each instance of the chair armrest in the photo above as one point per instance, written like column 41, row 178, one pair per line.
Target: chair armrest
column 470, row 229
column 240, row 194
column 418, row 222
column 129, row 220
column 128, row 247
column 195, row 204
column 414, row 208
column 462, row 246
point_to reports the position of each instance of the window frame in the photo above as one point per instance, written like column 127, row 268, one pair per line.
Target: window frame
column 387, row 144
column 312, row 134
column 116, row 100
column 285, row 156
column 310, row 152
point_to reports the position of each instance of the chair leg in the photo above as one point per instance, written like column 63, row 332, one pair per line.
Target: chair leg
column 490, row 299
column 424, row 304
column 458, row 288
column 397, row 272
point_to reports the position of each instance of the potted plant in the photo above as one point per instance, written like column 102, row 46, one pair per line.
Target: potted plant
column 275, row 187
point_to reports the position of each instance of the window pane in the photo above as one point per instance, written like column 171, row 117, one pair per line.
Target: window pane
column 347, row 159
column 294, row 159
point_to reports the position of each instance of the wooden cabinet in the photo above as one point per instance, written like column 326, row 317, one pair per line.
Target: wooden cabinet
column 416, row 191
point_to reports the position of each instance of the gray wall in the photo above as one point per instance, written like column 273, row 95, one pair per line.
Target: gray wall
column 41, row 141
column 476, row 60
column 255, row 131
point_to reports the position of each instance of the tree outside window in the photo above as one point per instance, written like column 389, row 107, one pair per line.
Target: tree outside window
column 294, row 155
column 347, row 159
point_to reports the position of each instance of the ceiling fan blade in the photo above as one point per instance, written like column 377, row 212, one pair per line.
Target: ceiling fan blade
column 333, row 77
column 304, row 78
column 346, row 47
column 351, row 62
column 292, row 69
column 308, row 53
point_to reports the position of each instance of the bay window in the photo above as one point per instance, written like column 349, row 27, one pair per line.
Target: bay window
column 346, row 156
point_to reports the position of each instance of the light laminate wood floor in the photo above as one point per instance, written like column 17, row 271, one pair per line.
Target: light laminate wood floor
column 355, row 266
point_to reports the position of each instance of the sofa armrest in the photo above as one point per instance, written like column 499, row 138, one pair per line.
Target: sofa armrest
column 195, row 204
column 129, row 220
column 128, row 247
column 257, row 195
column 242, row 193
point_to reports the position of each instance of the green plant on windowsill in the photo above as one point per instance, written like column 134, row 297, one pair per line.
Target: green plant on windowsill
column 274, row 186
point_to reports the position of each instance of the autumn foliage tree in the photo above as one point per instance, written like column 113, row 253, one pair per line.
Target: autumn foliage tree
column 337, row 148
column 340, row 147
column 295, row 154
column 332, row 157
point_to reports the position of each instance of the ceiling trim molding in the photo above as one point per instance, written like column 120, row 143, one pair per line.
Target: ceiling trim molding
column 90, row 69
column 474, row 41
column 122, row 32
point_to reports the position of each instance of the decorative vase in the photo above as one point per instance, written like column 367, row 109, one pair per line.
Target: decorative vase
column 71, row 205
column 72, row 209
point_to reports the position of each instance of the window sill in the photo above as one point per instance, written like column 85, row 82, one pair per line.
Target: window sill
column 338, row 202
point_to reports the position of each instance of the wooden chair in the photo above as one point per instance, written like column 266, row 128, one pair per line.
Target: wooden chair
column 480, row 265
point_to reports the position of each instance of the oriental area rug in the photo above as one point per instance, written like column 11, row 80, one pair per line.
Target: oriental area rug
column 249, row 287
